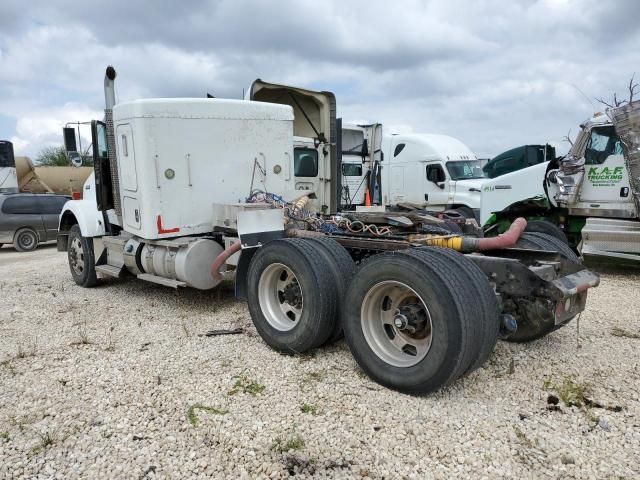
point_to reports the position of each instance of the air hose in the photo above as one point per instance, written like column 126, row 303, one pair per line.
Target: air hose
column 471, row 244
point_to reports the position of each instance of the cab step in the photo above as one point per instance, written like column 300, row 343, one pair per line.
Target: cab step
column 109, row 270
column 167, row 282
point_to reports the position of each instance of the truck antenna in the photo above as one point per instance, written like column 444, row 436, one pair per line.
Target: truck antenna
column 583, row 94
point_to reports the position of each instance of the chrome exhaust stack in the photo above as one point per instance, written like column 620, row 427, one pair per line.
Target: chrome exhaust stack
column 109, row 88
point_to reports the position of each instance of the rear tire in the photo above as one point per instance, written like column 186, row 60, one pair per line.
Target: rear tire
column 466, row 212
column 488, row 319
column 25, row 240
column 343, row 267
column 428, row 292
column 81, row 258
column 533, row 322
column 292, row 295
column 546, row 227
column 556, row 244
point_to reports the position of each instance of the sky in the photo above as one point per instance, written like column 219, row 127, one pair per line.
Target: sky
column 494, row 74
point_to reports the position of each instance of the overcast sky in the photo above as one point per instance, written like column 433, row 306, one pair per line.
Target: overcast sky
column 495, row 74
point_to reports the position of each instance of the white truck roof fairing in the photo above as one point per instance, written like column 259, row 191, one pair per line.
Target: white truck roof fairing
column 426, row 147
column 192, row 108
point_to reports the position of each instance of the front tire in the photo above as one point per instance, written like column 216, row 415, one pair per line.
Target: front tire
column 25, row 240
column 81, row 258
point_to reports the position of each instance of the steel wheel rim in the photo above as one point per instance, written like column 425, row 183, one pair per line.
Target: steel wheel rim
column 76, row 256
column 26, row 240
column 280, row 296
column 379, row 317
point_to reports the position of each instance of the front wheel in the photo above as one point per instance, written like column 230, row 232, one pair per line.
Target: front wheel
column 81, row 259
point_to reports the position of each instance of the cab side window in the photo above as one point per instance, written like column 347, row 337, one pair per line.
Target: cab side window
column 398, row 149
column 305, row 162
column 603, row 142
column 352, row 169
column 435, row 173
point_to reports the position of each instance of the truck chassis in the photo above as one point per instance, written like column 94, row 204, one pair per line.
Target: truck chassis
column 416, row 312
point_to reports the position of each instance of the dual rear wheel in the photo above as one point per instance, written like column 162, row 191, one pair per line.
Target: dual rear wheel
column 414, row 320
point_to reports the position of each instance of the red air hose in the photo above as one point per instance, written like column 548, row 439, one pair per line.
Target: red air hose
column 221, row 258
column 506, row 239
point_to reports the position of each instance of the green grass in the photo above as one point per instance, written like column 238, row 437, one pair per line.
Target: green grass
column 192, row 417
column 307, row 408
column 9, row 366
column 295, row 442
column 47, row 439
column 621, row 332
column 574, row 394
column 4, row 436
column 313, row 377
column 571, row 393
column 245, row 384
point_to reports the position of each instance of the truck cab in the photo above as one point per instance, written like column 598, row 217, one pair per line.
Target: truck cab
column 361, row 157
column 436, row 170
column 593, row 179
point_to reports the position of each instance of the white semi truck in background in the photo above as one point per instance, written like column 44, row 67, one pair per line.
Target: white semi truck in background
column 186, row 191
column 437, row 172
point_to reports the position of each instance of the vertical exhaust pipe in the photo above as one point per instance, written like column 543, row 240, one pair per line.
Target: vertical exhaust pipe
column 109, row 88
column 109, row 103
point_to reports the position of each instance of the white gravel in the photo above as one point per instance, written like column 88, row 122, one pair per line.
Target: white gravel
column 98, row 383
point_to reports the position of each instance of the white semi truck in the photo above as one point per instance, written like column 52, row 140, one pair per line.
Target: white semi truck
column 437, row 172
column 592, row 195
column 185, row 190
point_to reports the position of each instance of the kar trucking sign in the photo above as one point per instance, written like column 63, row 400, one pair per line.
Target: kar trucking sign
column 604, row 176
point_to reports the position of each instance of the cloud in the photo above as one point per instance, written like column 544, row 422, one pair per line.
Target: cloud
column 494, row 74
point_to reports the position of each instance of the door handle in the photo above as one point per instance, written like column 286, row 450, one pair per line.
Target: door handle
column 503, row 187
column 157, row 170
column 189, row 169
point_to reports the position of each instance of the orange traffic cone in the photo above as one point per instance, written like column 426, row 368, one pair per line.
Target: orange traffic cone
column 367, row 198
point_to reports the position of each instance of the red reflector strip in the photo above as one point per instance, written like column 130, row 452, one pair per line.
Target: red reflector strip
column 163, row 230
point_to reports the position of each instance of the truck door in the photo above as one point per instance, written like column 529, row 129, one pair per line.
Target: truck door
column 436, row 185
column 128, row 175
column 397, row 191
column 606, row 179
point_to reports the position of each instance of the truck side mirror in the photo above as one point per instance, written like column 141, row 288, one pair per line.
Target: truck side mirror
column 364, row 151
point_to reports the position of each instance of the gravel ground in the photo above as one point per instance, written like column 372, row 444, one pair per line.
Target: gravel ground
column 117, row 382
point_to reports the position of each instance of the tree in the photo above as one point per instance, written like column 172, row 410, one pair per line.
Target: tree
column 57, row 157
